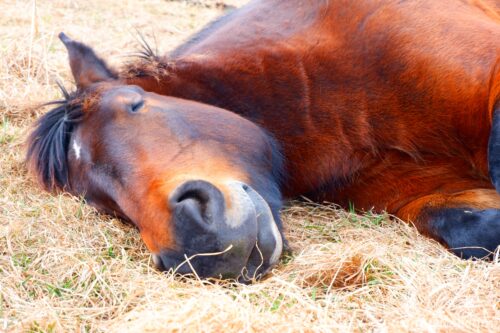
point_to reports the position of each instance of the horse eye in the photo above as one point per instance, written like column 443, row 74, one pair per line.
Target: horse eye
column 135, row 107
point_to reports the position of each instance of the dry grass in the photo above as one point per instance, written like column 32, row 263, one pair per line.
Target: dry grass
column 64, row 267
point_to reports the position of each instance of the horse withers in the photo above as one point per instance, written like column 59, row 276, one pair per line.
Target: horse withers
column 385, row 105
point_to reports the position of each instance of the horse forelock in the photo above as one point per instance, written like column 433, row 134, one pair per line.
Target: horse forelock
column 47, row 153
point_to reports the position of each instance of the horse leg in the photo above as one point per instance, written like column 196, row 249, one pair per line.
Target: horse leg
column 467, row 222
column 443, row 197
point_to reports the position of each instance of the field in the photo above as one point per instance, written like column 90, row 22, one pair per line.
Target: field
column 66, row 268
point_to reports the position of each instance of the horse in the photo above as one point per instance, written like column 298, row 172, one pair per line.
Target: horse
column 381, row 104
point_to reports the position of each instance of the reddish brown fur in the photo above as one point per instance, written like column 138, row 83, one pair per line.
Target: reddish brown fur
column 385, row 104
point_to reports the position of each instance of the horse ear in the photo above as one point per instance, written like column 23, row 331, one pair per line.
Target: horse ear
column 86, row 66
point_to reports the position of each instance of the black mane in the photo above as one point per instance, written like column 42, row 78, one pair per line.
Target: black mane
column 47, row 154
column 146, row 51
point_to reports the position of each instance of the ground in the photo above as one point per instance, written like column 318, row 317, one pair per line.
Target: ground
column 65, row 267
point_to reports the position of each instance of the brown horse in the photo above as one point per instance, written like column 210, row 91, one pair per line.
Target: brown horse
column 389, row 105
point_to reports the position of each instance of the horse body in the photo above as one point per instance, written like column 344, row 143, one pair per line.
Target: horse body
column 386, row 105
column 376, row 103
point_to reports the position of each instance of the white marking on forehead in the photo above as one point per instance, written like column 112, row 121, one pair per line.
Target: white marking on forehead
column 77, row 148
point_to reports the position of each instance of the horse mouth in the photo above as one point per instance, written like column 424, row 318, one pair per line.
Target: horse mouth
column 269, row 246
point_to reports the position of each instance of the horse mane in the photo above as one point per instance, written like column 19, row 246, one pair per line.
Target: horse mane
column 145, row 50
column 47, row 154
column 146, row 61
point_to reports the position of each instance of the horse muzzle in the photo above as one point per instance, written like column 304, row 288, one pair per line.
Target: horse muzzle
column 231, row 236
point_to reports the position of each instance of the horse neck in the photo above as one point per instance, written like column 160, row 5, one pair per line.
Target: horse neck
column 249, row 85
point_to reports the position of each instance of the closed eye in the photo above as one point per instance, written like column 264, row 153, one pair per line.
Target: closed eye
column 135, row 107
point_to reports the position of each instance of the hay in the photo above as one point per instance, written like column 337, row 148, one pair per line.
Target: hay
column 64, row 267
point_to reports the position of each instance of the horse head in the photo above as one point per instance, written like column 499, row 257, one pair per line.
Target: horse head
column 200, row 183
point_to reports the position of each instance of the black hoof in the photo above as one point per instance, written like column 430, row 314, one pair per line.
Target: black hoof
column 468, row 233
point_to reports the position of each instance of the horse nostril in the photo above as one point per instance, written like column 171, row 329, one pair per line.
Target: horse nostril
column 197, row 201
column 197, row 195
